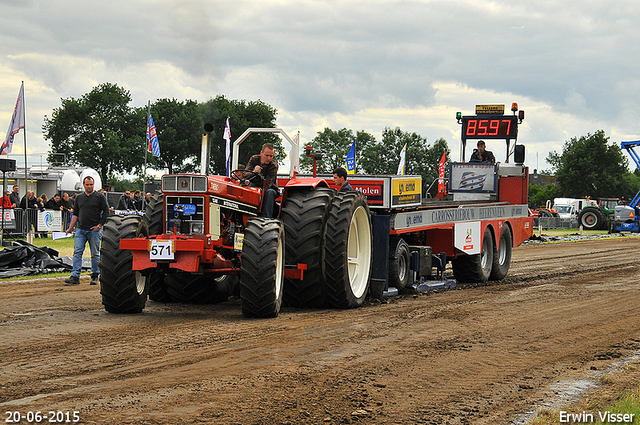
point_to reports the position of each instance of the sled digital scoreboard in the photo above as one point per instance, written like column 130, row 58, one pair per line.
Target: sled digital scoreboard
column 490, row 123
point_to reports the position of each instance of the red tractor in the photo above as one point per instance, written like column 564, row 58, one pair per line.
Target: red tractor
column 202, row 239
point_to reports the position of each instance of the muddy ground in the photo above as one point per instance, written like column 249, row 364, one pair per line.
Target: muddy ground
column 481, row 355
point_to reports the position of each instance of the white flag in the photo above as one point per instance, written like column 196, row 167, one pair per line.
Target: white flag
column 227, row 136
column 401, row 165
column 296, row 139
column 16, row 124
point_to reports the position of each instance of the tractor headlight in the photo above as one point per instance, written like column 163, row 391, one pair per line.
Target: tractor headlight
column 197, row 228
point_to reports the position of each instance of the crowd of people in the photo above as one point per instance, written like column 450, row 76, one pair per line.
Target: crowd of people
column 132, row 200
column 129, row 201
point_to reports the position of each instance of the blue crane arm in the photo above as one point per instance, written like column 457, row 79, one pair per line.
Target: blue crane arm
column 634, row 155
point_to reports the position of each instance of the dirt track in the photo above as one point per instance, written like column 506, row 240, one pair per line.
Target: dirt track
column 478, row 355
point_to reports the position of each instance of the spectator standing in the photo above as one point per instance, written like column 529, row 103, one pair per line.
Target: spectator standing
column 15, row 196
column 137, row 201
column 124, row 203
column 65, row 202
column 54, row 203
column 6, row 201
column 146, row 200
column 91, row 213
column 28, row 201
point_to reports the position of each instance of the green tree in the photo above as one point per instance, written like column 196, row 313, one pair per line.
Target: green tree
column 242, row 115
column 590, row 166
column 98, row 130
column 538, row 196
column 420, row 159
column 179, row 129
column 335, row 146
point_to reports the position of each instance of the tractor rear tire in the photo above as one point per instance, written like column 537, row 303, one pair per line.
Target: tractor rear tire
column 198, row 289
column 544, row 213
column 153, row 214
column 502, row 255
column 262, row 268
column 591, row 218
column 349, row 251
column 475, row 268
column 123, row 289
column 399, row 266
column 304, row 214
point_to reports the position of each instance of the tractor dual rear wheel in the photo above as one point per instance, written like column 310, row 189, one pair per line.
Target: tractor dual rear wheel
column 262, row 268
column 304, row 214
column 123, row 290
column 349, row 251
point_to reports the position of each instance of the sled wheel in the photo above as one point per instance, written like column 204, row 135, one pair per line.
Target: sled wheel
column 399, row 266
column 475, row 268
column 502, row 255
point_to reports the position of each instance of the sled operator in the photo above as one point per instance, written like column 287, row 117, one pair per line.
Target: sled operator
column 481, row 154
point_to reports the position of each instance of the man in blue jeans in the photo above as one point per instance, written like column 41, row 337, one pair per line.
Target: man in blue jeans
column 90, row 212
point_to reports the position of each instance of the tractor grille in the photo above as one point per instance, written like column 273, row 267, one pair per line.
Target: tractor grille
column 186, row 223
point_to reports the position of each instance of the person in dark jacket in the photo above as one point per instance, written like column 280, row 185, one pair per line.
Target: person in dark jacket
column 136, row 201
column 29, row 200
column 124, row 203
column 65, row 202
column 54, row 203
column 481, row 154
column 15, row 196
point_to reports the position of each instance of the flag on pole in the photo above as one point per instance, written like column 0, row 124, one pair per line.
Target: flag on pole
column 441, row 173
column 16, row 124
column 152, row 137
column 296, row 139
column 401, row 165
column 227, row 137
column 350, row 160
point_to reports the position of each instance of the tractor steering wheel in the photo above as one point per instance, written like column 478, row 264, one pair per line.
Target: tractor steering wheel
column 239, row 175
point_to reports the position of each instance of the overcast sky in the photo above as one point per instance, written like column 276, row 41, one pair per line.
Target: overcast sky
column 572, row 66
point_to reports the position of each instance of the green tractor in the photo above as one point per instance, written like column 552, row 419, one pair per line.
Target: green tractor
column 598, row 217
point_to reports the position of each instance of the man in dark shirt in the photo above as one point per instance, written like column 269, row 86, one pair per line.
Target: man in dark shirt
column 90, row 212
column 15, row 196
column 481, row 154
column 340, row 178
column 267, row 167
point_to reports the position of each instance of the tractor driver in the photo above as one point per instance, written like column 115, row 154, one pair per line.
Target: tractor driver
column 267, row 167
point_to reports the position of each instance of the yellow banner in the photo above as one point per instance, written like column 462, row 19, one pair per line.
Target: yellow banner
column 489, row 109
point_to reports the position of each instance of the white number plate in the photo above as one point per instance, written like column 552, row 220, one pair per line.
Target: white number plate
column 161, row 250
